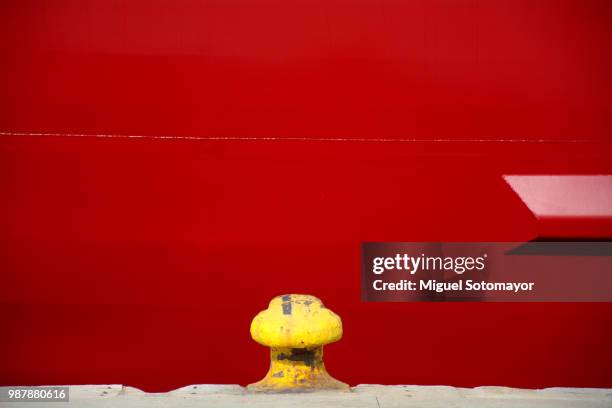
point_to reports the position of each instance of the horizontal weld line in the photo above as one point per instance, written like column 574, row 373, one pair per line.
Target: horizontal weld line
column 301, row 139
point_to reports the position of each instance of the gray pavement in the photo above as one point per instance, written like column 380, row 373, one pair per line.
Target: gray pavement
column 366, row 396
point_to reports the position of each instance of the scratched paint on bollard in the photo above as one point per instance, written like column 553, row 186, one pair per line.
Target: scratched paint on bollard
column 296, row 327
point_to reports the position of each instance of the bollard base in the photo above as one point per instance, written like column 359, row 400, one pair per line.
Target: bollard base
column 297, row 370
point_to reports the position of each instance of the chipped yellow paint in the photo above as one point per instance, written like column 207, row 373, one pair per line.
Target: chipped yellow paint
column 296, row 327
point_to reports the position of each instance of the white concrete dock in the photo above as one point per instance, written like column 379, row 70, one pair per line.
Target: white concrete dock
column 366, row 396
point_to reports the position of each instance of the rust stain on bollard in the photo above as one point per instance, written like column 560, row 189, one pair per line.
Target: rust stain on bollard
column 296, row 327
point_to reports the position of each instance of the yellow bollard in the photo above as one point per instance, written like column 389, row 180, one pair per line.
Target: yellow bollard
column 296, row 327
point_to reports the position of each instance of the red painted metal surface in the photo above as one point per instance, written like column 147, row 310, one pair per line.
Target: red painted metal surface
column 120, row 256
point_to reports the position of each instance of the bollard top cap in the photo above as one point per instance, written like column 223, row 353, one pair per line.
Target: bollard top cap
column 296, row 321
